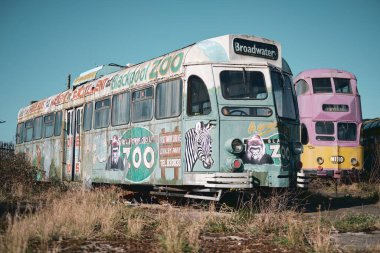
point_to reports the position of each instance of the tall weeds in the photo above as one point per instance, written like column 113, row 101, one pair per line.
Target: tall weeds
column 77, row 215
column 179, row 232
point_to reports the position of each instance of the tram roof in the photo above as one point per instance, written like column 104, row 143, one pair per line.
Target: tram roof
column 226, row 49
column 324, row 72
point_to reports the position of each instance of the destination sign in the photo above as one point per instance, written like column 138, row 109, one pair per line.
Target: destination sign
column 334, row 108
column 255, row 48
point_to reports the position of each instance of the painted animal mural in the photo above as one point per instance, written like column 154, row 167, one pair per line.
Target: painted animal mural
column 198, row 146
column 255, row 151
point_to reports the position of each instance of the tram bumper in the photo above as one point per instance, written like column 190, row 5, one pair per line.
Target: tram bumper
column 304, row 177
column 240, row 180
column 252, row 176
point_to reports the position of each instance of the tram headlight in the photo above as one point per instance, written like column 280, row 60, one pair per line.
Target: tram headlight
column 236, row 164
column 234, row 146
column 320, row 160
column 354, row 161
column 297, row 148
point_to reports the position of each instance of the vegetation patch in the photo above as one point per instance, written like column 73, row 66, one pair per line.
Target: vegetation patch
column 357, row 223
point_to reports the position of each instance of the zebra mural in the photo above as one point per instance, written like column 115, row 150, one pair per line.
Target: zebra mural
column 198, row 146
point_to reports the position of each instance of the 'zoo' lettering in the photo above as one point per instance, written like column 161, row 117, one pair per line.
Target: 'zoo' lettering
column 161, row 66
column 275, row 151
column 147, row 159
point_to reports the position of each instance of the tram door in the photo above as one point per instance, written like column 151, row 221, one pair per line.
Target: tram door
column 201, row 128
column 73, row 128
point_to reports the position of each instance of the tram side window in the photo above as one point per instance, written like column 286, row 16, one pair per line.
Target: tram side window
column 304, row 135
column 284, row 95
column 78, row 121
column 347, row 131
column 302, row 87
column 48, row 128
column 37, row 129
column 87, row 117
column 198, row 99
column 102, row 113
column 120, row 109
column 322, row 85
column 169, row 99
column 142, row 105
column 20, row 132
column 324, row 128
column 28, row 130
column 342, row 85
column 58, row 123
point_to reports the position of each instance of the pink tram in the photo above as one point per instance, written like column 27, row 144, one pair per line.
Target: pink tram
column 331, row 118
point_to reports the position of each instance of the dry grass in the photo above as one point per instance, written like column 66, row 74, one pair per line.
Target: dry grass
column 77, row 214
column 179, row 232
column 274, row 217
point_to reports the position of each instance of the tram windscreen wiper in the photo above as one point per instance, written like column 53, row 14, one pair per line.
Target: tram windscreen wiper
column 245, row 84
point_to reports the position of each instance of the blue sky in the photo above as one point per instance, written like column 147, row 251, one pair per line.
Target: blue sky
column 42, row 41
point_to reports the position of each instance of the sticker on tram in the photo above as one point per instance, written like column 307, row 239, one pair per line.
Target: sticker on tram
column 256, row 151
column 135, row 152
column 268, row 150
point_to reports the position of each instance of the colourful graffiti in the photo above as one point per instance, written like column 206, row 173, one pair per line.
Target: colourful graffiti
column 274, row 146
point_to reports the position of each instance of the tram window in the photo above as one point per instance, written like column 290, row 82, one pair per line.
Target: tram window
column 342, row 85
column 142, row 105
column 87, row 117
column 120, row 109
column 324, row 127
column 302, row 87
column 68, row 123
column 304, row 135
column 78, row 121
column 58, row 123
column 347, row 131
column 321, row 85
column 169, row 99
column 48, row 128
column 29, row 130
column 243, row 85
column 247, row 111
column 37, row 129
column 102, row 113
column 286, row 105
column 19, row 134
column 198, row 99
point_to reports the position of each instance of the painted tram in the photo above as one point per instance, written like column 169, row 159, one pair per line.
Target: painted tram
column 331, row 118
column 218, row 114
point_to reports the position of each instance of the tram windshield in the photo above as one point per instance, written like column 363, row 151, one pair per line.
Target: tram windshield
column 243, row 84
column 284, row 95
column 346, row 131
